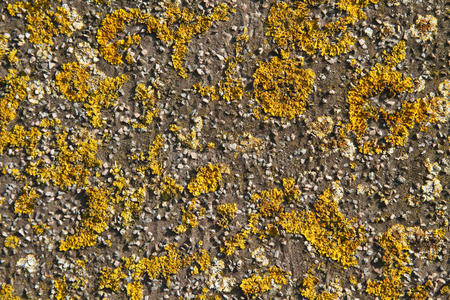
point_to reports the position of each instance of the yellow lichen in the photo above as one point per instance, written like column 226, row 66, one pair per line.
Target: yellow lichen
column 170, row 189
column 282, row 87
column 11, row 241
column 206, row 180
column 76, row 84
column 257, row 284
column 291, row 26
column 111, row 278
column 7, row 292
column 146, row 96
column 45, row 20
column 227, row 213
column 25, row 203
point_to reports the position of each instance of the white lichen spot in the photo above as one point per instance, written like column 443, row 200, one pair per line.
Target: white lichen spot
column 259, row 257
column 348, row 149
column 28, row 262
column 424, row 28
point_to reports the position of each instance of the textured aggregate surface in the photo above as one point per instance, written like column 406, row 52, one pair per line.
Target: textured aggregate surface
column 202, row 149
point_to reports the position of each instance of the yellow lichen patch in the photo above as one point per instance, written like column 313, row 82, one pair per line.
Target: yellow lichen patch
column 269, row 201
column 11, row 241
column 145, row 96
column 61, row 288
column 420, row 292
column 282, row 87
column 188, row 217
column 396, row 260
column 7, row 292
column 77, row 85
column 73, row 81
column 237, row 241
column 111, row 278
column 308, row 289
column 206, row 180
column 45, row 20
column 40, row 228
column 132, row 206
column 97, row 213
column 3, row 44
column 114, row 23
column 150, row 159
column 170, row 189
column 82, row 239
column 156, row 267
column 25, row 203
column 207, row 91
column 189, row 139
column 227, row 213
column 385, row 79
column 203, row 260
column 14, row 90
column 135, row 290
column 21, row 138
column 326, row 229
column 75, row 155
column 257, row 284
column 290, row 26
column 176, row 26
